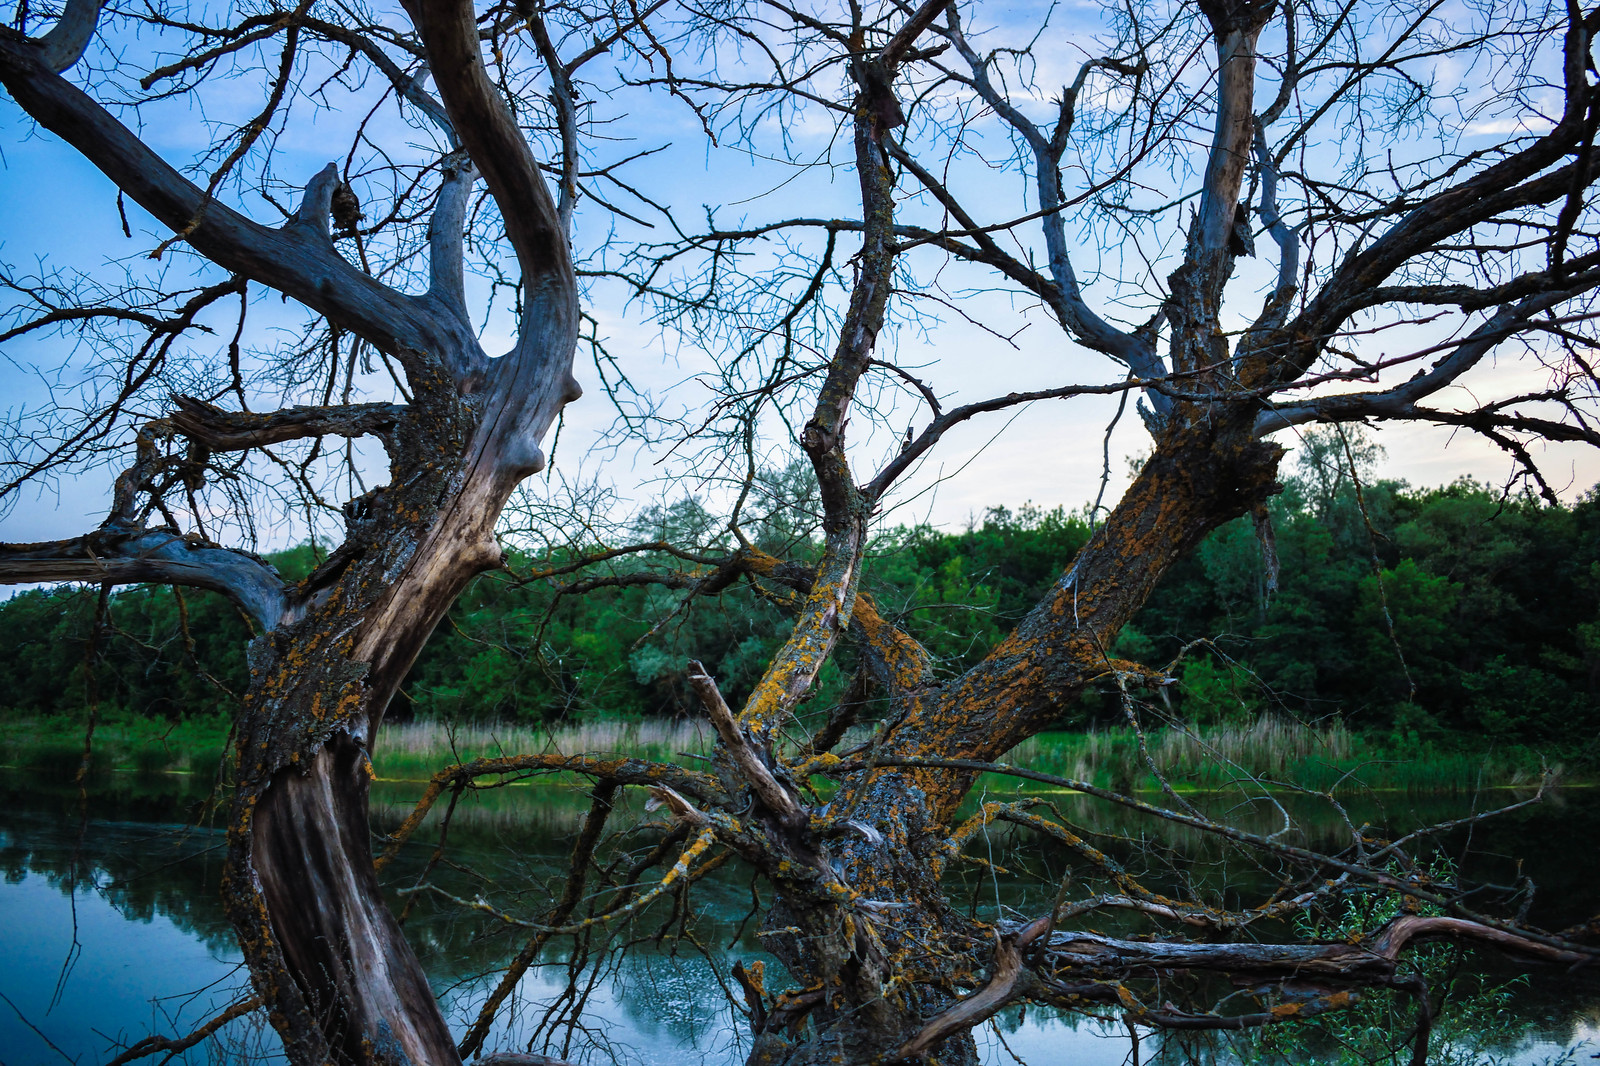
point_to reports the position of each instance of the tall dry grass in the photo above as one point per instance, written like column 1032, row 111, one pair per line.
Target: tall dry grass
column 1270, row 750
column 415, row 750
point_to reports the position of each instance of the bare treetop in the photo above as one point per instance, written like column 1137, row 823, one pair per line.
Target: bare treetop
column 1142, row 182
column 1251, row 217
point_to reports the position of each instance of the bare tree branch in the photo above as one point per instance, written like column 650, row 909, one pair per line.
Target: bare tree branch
column 115, row 556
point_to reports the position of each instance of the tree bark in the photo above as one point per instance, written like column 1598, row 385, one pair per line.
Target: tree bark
column 339, row 941
column 887, row 956
column 323, row 949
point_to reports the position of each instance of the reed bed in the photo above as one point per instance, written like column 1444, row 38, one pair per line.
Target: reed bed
column 415, row 750
column 1271, row 751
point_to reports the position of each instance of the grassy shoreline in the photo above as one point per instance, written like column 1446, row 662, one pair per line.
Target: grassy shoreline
column 1267, row 753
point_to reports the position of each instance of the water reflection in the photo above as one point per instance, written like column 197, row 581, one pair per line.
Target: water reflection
column 110, row 927
column 107, row 935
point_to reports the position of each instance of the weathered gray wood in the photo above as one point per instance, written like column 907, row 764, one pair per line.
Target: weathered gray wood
column 338, row 939
column 157, row 556
column 294, row 259
column 66, row 42
column 222, row 431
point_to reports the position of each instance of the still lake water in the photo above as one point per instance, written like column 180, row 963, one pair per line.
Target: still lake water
column 110, row 930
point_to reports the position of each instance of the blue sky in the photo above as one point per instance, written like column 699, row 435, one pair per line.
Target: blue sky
column 60, row 211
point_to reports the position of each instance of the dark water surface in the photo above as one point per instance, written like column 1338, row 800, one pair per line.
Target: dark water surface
column 110, row 928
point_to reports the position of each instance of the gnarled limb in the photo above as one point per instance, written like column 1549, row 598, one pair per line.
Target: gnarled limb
column 1029, row 962
column 1060, row 646
column 222, row 431
column 447, row 231
column 120, row 556
column 295, row 259
column 1402, row 401
column 489, row 135
column 831, row 599
column 982, row 1005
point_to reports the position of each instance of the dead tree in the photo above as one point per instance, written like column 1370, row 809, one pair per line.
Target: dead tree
column 1501, row 239
column 1483, row 243
column 324, row 951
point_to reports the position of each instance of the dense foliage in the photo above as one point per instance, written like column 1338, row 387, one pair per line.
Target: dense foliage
column 1426, row 615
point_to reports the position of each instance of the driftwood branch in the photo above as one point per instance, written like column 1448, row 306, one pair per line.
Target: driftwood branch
column 1080, row 966
column 1370, row 960
column 223, row 431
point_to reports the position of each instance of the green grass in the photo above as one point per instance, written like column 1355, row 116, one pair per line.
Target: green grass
column 121, row 743
column 1267, row 751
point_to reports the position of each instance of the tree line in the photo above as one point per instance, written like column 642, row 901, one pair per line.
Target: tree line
column 1452, row 614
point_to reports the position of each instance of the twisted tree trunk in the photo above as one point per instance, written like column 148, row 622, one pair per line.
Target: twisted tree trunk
column 875, row 947
column 324, row 949
column 324, row 952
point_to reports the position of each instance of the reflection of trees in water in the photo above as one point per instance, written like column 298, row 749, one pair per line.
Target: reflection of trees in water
column 644, row 1003
column 668, row 987
column 662, row 985
column 520, row 837
column 648, row 987
column 531, row 810
column 142, row 868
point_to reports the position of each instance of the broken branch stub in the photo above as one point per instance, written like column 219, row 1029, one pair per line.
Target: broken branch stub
column 746, row 757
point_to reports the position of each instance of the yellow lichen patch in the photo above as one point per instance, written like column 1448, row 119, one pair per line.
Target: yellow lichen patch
column 905, row 658
column 817, row 764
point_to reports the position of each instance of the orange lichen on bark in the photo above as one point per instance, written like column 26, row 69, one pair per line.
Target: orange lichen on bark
column 826, row 612
column 903, row 658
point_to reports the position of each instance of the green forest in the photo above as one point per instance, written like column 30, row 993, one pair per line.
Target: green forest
column 1460, row 617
